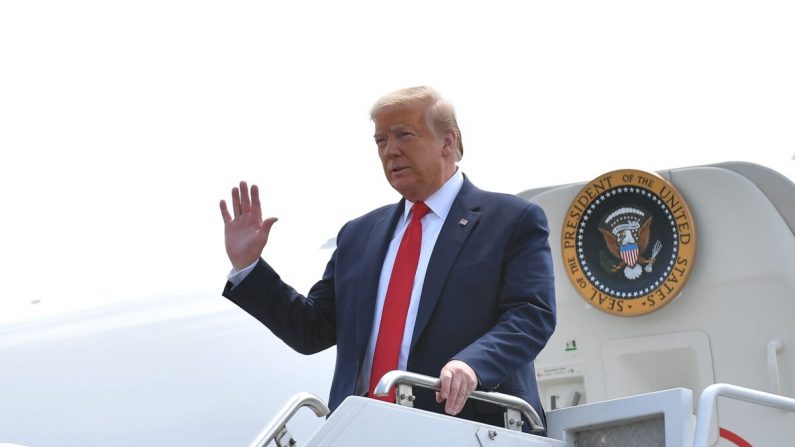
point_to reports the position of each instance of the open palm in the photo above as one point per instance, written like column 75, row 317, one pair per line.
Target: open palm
column 246, row 234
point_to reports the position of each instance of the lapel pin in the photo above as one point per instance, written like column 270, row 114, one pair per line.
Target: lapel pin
column 463, row 222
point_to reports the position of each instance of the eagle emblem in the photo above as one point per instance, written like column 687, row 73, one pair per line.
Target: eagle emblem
column 627, row 231
column 627, row 242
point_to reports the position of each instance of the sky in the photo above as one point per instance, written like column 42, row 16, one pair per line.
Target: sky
column 122, row 124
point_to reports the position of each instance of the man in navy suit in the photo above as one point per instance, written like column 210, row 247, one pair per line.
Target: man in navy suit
column 481, row 305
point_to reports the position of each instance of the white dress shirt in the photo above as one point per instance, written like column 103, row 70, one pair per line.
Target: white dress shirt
column 439, row 203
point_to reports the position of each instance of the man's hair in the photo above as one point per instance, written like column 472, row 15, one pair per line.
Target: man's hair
column 438, row 111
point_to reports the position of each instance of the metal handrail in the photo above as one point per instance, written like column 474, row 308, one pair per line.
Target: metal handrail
column 706, row 406
column 393, row 378
column 773, row 377
column 277, row 425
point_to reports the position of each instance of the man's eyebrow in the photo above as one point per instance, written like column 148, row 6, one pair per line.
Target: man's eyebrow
column 394, row 128
column 401, row 126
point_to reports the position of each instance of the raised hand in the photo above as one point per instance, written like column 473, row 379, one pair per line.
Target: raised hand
column 246, row 234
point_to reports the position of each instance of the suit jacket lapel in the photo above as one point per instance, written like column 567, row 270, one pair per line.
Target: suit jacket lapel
column 373, row 256
column 452, row 237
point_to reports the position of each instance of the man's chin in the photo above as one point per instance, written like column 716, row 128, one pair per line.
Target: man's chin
column 403, row 189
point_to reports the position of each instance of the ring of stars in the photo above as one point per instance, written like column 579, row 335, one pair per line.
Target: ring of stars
column 673, row 241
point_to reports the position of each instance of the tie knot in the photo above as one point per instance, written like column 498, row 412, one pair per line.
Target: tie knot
column 419, row 210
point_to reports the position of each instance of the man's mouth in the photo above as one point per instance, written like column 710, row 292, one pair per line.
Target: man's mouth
column 397, row 169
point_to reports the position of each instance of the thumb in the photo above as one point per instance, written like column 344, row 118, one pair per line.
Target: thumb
column 268, row 223
column 265, row 229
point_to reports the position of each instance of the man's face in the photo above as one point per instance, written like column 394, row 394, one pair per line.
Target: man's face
column 416, row 161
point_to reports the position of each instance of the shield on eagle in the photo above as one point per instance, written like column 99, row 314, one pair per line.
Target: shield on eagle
column 629, row 253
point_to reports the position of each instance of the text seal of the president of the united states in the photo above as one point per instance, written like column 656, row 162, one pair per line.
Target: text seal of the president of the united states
column 628, row 242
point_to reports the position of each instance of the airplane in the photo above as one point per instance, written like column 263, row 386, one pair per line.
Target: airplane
column 194, row 369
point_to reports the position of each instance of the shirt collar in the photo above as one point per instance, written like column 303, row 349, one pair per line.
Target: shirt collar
column 441, row 201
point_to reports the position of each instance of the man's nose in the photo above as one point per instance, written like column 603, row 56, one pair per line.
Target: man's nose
column 393, row 148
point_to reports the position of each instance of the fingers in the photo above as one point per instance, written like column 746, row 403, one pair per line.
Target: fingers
column 241, row 203
column 236, row 202
column 256, row 208
column 265, row 230
column 454, row 399
column 245, row 202
column 445, row 377
column 255, row 197
column 225, row 212
column 268, row 223
column 456, row 382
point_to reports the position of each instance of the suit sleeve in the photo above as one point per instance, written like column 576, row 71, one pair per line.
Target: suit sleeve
column 305, row 323
column 526, row 305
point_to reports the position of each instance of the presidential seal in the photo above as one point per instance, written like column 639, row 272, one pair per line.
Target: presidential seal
column 628, row 242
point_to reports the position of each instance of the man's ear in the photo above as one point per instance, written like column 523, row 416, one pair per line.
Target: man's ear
column 449, row 142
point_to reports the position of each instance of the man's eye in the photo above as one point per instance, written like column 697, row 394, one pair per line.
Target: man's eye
column 405, row 134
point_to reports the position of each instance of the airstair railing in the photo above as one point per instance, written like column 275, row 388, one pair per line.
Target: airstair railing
column 773, row 377
column 276, row 430
column 708, row 400
column 514, row 406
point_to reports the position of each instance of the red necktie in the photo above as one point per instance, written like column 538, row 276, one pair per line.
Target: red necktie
column 396, row 303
